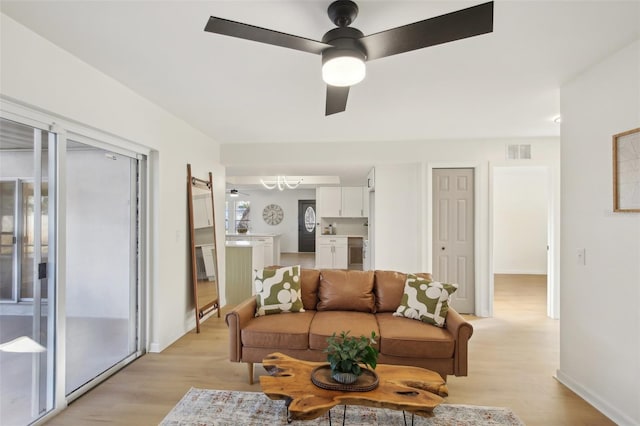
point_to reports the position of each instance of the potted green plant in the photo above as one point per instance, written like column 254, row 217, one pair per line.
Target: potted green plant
column 346, row 354
column 242, row 227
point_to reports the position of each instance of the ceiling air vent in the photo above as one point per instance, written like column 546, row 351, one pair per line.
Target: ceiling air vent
column 518, row 152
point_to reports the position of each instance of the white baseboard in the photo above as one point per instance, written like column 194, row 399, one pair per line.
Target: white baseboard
column 600, row 404
column 189, row 324
column 156, row 348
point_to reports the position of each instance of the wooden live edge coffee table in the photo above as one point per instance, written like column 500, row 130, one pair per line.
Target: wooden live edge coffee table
column 411, row 389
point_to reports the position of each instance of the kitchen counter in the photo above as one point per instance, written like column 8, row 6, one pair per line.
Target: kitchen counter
column 251, row 234
column 270, row 241
column 243, row 243
column 344, row 235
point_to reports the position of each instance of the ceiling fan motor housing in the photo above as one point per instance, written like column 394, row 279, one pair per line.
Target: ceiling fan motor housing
column 342, row 12
column 345, row 42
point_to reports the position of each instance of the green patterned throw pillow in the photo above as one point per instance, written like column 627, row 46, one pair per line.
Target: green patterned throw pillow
column 278, row 290
column 425, row 300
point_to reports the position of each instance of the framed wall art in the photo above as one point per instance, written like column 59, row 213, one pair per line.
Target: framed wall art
column 626, row 171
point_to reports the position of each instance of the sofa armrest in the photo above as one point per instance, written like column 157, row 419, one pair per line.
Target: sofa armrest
column 236, row 320
column 461, row 331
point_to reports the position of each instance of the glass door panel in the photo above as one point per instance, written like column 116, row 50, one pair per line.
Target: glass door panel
column 101, row 283
column 26, row 317
column 7, row 240
column 28, row 237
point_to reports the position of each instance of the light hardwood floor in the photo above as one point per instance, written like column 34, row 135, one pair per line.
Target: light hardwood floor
column 513, row 358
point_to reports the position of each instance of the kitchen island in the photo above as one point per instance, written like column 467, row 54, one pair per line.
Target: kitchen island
column 241, row 258
column 271, row 244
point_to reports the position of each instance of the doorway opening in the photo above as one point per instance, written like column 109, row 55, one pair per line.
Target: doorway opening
column 520, row 234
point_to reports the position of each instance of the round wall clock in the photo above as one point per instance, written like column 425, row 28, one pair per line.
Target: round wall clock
column 273, row 214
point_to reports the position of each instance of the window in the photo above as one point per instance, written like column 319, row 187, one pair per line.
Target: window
column 242, row 211
column 226, row 216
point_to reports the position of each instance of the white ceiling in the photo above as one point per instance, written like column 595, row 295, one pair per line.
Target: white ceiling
column 503, row 84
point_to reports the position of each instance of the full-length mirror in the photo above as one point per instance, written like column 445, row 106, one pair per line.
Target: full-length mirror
column 204, row 253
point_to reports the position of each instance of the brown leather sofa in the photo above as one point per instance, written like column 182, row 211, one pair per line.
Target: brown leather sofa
column 355, row 301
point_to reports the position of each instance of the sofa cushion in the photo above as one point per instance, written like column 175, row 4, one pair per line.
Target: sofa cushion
column 425, row 300
column 389, row 288
column 278, row 290
column 342, row 290
column 285, row 331
column 310, row 281
column 326, row 323
column 405, row 337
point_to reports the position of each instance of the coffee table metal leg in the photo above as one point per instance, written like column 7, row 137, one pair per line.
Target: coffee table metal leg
column 405, row 418
column 344, row 416
column 287, row 402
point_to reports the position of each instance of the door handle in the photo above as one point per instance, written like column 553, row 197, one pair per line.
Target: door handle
column 42, row 270
column 443, row 248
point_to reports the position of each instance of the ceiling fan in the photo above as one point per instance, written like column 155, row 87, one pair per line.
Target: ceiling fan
column 235, row 193
column 345, row 49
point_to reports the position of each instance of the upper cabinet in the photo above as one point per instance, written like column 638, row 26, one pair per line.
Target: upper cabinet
column 365, row 201
column 352, row 201
column 346, row 201
column 329, row 201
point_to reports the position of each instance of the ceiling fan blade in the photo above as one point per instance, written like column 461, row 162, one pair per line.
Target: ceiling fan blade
column 336, row 99
column 457, row 25
column 263, row 35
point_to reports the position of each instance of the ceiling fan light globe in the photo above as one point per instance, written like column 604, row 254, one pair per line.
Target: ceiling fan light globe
column 343, row 71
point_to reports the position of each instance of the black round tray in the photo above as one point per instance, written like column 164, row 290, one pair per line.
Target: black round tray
column 321, row 377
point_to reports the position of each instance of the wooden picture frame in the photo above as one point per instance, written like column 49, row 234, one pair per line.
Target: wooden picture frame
column 626, row 171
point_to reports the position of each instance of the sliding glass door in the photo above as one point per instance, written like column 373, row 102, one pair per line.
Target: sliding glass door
column 102, row 272
column 27, row 274
column 71, row 271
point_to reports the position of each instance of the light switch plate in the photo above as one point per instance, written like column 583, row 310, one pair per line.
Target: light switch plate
column 582, row 257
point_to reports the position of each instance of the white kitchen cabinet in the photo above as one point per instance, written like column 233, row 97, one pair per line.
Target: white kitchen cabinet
column 329, row 201
column 346, row 201
column 269, row 257
column 341, row 256
column 331, row 252
column 365, row 201
column 324, row 256
column 352, row 201
column 202, row 212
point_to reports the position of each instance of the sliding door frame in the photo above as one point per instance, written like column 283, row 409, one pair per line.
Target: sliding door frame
column 63, row 129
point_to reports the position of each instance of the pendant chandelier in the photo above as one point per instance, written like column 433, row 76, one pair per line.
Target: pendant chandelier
column 281, row 183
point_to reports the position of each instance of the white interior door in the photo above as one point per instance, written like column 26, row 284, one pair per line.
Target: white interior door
column 453, row 260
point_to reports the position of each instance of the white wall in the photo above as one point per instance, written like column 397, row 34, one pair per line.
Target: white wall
column 600, row 309
column 288, row 200
column 399, row 246
column 37, row 73
column 520, row 210
column 404, row 168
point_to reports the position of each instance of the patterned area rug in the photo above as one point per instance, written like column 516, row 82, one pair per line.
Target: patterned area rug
column 203, row 407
